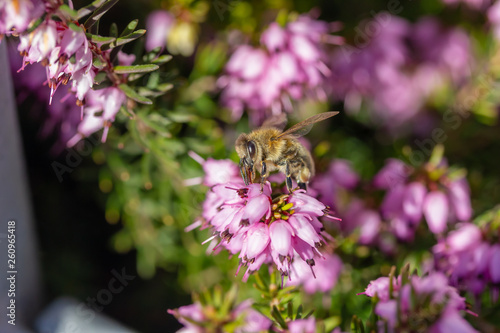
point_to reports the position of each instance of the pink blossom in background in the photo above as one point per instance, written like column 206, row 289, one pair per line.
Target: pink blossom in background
column 439, row 306
column 302, row 325
column 288, row 65
column 197, row 319
column 15, row 16
column 323, row 278
column 406, row 202
column 396, row 70
column 469, row 260
column 332, row 185
column 158, row 26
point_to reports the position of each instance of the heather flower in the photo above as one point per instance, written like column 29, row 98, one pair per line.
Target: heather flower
column 261, row 229
column 287, row 65
column 469, row 259
column 99, row 112
column 399, row 68
column 419, row 304
column 323, row 278
column 205, row 318
column 432, row 191
column 494, row 18
column 16, row 15
column 216, row 171
column 59, row 120
column 176, row 29
column 302, row 325
column 158, row 26
column 333, row 185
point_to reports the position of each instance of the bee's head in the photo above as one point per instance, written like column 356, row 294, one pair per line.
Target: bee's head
column 248, row 152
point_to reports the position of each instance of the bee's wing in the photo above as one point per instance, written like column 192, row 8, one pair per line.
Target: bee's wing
column 277, row 121
column 305, row 126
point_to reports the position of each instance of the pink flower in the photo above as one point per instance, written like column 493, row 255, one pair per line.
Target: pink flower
column 15, row 16
column 399, row 68
column 158, row 27
column 302, row 325
column 436, row 211
column 322, row 279
column 108, row 101
column 263, row 230
column 289, row 64
column 197, row 318
column 468, row 259
column 440, row 201
column 437, row 304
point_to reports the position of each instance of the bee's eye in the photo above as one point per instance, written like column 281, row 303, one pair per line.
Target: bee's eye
column 251, row 148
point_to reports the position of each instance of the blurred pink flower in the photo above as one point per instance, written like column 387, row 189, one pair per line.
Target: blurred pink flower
column 15, row 16
column 469, row 260
column 158, row 26
column 302, row 325
column 396, row 70
column 324, row 277
column 288, row 65
column 440, row 201
column 431, row 297
column 197, row 318
column 332, row 185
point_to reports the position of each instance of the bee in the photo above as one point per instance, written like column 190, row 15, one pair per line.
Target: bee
column 270, row 149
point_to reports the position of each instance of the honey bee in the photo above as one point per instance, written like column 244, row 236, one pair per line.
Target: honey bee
column 270, row 149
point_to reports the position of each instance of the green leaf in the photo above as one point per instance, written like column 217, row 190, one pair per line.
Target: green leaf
column 135, row 69
column 113, row 30
column 97, row 14
column 162, row 59
column 68, row 13
column 130, row 27
column 125, row 39
column 100, row 39
column 97, row 62
column 100, row 77
column 277, row 316
column 84, row 11
column 134, row 95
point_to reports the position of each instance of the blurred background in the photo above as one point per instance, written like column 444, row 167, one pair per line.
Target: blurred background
column 407, row 76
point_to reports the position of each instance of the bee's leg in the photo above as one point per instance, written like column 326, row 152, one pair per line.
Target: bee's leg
column 244, row 171
column 263, row 175
column 288, row 177
column 303, row 177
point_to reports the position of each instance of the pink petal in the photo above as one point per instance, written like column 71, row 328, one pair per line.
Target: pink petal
column 412, row 201
column 158, row 27
column 466, row 237
column 460, row 199
column 494, row 265
column 303, row 229
column 436, row 211
column 281, row 237
column 257, row 240
column 273, row 37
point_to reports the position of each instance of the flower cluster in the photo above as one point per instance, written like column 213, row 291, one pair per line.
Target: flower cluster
column 16, row 16
column 418, row 304
column 288, row 65
column 399, row 67
column 471, row 262
column 74, row 55
column 242, row 318
column 433, row 191
column 262, row 229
